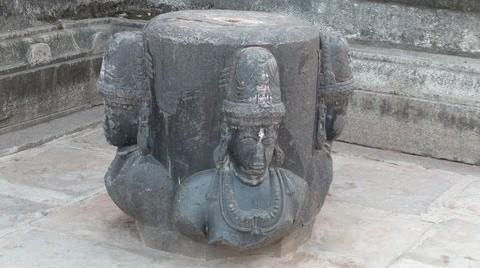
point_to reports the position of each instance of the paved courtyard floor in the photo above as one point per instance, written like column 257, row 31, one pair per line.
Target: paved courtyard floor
column 384, row 209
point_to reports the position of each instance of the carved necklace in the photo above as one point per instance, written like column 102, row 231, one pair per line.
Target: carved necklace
column 255, row 221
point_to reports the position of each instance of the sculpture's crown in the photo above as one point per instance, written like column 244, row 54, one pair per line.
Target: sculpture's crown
column 253, row 95
column 335, row 71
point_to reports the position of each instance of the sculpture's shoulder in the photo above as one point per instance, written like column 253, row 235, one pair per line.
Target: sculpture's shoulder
column 198, row 182
column 299, row 183
column 190, row 206
column 193, row 190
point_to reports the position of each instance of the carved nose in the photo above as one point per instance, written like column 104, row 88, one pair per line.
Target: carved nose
column 259, row 153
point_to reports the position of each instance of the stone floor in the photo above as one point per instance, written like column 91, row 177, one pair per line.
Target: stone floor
column 384, row 209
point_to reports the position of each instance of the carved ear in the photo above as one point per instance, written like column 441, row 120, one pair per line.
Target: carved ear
column 278, row 155
column 221, row 151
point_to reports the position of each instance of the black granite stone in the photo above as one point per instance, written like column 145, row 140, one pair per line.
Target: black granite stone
column 234, row 114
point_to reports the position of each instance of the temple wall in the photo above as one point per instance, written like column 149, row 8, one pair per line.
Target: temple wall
column 51, row 70
column 51, row 51
column 417, row 63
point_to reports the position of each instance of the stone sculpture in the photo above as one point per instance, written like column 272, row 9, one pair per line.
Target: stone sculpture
column 223, row 122
column 245, row 201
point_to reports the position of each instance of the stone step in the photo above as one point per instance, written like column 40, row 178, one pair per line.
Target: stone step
column 415, row 126
column 433, row 77
column 389, row 24
column 461, row 5
column 49, row 71
column 26, row 138
column 419, row 103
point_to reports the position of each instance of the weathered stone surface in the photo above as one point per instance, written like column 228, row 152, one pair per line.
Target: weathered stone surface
column 433, row 77
column 467, row 202
column 454, row 243
column 44, row 132
column 15, row 210
column 396, row 117
column 460, row 202
column 49, row 71
column 437, row 96
column 359, row 232
column 396, row 158
column 33, row 194
column 176, row 243
column 24, row 13
column 92, row 140
column 94, row 219
column 408, row 263
column 45, row 248
column 462, row 5
column 433, row 100
column 59, row 88
column 81, row 176
column 39, row 53
column 402, row 193
column 376, row 23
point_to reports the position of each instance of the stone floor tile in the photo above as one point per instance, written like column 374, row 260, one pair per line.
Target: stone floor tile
column 462, row 201
column 403, row 188
column 408, row 263
column 49, row 249
column 375, row 236
column 96, row 219
column 59, row 168
column 34, row 194
column 99, row 220
column 38, row 248
column 397, row 158
column 454, row 243
column 15, row 210
column 300, row 259
column 92, row 139
column 467, row 202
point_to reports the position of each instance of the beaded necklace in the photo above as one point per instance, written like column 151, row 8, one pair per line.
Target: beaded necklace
column 255, row 221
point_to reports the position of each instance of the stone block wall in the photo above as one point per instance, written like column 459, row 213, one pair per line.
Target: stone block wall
column 51, row 52
column 417, row 63
column 48, row 71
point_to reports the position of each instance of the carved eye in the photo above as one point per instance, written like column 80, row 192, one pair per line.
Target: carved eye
column 248, row 139
column 268, row 141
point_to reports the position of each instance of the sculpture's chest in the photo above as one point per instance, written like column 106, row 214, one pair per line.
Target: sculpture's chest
column 267, row 215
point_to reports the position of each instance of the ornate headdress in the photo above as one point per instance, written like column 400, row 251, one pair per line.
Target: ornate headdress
column 252, row 88
column 123, row 79
column 335, row 71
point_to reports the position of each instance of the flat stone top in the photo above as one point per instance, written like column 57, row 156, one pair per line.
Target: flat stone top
column 230, row 26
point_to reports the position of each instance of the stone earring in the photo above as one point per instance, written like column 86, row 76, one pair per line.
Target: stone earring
column 278, row 155
column 220, row 153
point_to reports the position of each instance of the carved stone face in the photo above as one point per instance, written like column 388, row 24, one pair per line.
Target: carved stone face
column 120, row 126
column 251, row 151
